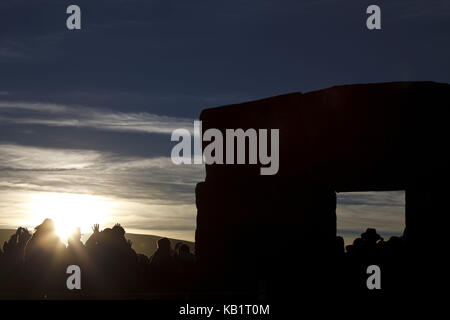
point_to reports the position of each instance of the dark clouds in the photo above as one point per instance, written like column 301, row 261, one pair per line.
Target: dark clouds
column 175, row 58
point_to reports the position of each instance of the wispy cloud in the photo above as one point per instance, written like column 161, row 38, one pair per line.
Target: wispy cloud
column 56, row 115
column 13, row 157
column 88, row 171
column 38, row 107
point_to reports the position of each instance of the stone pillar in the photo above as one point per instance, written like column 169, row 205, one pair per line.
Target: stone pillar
column 427, row 215
column 263, row 228
column 427, row 235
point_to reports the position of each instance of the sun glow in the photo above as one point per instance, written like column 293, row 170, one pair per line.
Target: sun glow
column 68, row 211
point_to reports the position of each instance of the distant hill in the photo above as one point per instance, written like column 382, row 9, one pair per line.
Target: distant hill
column 146, row 244
column 142, row 243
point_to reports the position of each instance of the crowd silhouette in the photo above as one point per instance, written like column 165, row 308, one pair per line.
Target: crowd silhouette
column 33, row 265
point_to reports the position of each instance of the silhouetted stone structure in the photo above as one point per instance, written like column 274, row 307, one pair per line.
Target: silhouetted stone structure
column 387, row 136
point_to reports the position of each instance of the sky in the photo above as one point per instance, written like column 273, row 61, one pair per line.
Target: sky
column 86, row 115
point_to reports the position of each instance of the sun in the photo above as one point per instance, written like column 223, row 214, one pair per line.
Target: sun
column 68, row 211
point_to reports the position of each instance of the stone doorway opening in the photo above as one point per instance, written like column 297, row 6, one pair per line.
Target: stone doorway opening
column 382, row 210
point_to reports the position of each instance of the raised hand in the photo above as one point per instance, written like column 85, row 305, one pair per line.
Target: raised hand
column 96, row 228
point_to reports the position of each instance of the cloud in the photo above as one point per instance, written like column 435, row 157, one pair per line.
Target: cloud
column 357, row 211
column 101, row 173
column 38, row 107
column 150, row 195
column 56, row 115
column 13, row 157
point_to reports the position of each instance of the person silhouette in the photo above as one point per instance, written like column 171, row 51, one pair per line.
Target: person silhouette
column 162, row 266
column 11, row 261
column 44, row 260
